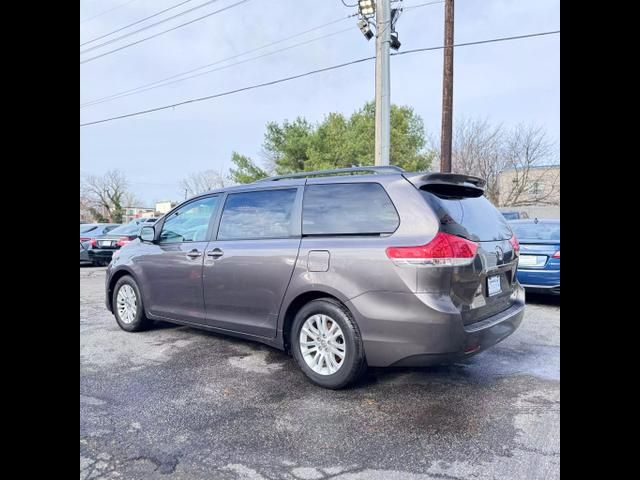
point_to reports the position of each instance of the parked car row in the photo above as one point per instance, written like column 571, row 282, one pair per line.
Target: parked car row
column 98, row 241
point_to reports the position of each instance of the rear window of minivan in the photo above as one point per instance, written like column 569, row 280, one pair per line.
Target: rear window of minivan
column 474, row 218
column 348, row 209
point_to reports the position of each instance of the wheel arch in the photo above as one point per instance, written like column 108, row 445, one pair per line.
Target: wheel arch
column 299, row 301
column 115, row 276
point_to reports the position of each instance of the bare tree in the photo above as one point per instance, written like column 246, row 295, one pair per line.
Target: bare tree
column 477, row 150
column 107, row 195
column 204, row 181
column 511, row 161
column 527, row 153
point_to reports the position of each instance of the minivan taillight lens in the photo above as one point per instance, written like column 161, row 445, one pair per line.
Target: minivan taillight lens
column 514, row 243
column 557, row 254
column 444, row 250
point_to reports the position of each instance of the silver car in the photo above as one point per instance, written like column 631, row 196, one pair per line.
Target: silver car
column 342, row 269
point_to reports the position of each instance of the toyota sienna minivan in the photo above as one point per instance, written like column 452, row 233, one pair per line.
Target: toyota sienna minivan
column 343, row 269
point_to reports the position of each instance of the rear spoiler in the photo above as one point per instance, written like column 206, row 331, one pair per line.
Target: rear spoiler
column 448, row 184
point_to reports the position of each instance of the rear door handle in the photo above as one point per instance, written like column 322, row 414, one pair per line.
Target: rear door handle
column 194, row 254
column 215, row 253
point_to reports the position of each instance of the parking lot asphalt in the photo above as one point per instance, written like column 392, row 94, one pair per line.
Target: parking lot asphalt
column 180, row 403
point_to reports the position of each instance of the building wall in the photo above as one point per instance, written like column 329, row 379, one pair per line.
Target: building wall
column 131, row 213
column 543, row 186
column 164, row 207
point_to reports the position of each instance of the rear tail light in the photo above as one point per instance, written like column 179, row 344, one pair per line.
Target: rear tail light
column 514, row 243
column 94, row 243
column 123, row 241
column 85, row 239
column 444, row 250
column 557, row 254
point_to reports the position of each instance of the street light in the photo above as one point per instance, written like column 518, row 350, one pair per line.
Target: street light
column 367, row 8
column 395, row 43
column 365, row 29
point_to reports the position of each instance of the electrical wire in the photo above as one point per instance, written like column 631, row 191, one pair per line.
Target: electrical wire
column 224, row 67
column 135, row 23
column 312, row 72
column 147, row 27
column 217, row 62
column 163, row 32
column 106, row 11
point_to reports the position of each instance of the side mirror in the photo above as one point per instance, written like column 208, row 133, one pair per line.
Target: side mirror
column 147, row 234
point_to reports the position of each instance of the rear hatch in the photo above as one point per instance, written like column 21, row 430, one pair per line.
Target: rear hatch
column 484, row 287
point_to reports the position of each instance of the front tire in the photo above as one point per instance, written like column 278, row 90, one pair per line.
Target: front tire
column 326, row 344
column 127, row 305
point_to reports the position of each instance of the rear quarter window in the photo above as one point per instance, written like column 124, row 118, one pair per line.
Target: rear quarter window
column 474, row 218
column 348, row 209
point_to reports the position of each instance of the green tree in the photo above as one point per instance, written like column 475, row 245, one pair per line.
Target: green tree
column 286, row 146
column 246, row 171
column 337, row 142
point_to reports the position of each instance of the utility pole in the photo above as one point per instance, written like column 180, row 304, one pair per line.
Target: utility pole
column 447, row 90
column 383, row 82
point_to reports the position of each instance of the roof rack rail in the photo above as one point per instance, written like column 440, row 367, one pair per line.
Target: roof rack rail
column 336, row 171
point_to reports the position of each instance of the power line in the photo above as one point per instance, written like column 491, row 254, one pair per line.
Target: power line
column 206, row 72
column 146, row 27
column 135, row 23
column 147, row 86
column 106, row 11
column 163, row 32
column 217, row 62
column 312, row 72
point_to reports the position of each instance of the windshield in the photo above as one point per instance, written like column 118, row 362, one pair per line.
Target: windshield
column 541, row 231
column 126, row 230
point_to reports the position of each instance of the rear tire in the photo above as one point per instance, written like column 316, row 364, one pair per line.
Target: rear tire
column 127, row 305
column 331, row 356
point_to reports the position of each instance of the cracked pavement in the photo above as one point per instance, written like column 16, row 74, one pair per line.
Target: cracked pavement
column 180, row 403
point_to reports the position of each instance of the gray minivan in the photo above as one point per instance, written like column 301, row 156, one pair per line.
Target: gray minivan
column 343, row 269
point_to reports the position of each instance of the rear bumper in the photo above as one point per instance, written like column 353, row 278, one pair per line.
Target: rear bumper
column 540, row 281
column 401, row 329
column 106, row 255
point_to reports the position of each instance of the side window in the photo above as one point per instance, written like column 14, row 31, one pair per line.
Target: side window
column 348, row 209
column 255, row 215
column 189, row 223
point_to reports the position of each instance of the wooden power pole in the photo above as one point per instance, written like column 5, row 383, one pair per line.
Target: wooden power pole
column 447, row 90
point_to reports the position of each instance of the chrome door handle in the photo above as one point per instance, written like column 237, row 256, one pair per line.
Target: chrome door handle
column 194, row 254
column 215, row 253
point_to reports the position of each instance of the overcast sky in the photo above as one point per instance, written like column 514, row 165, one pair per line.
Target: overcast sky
column 507, row 82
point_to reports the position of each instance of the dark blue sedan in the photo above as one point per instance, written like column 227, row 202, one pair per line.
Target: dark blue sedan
column 539, row 265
